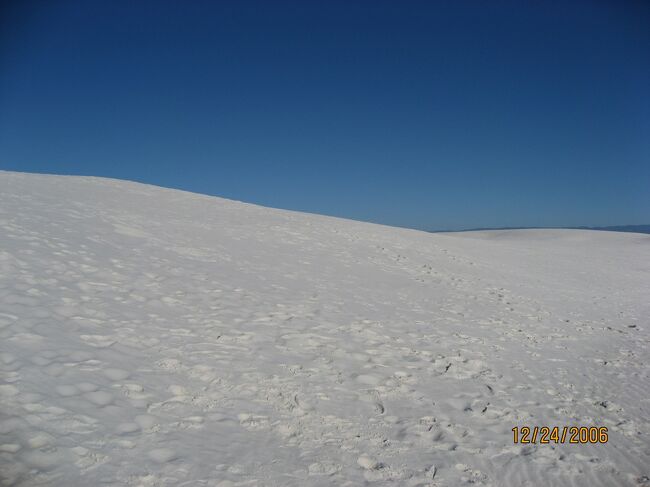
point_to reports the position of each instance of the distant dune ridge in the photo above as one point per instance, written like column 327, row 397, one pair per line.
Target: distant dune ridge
column 614, row 228
column 622, row 228
column 151, row 336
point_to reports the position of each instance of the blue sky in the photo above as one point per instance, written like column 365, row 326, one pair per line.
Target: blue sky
column 434, row 115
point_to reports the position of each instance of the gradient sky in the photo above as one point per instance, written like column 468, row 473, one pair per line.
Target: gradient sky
column 434, row 115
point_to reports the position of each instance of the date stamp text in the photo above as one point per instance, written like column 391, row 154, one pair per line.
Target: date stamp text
column 560, row 434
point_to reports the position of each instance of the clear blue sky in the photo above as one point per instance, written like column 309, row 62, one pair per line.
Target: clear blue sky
column 426, row 114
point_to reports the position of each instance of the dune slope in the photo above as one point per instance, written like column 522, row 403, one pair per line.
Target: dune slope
column 153, row 337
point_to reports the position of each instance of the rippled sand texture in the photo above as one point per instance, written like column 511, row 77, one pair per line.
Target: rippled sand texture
column 152, row 337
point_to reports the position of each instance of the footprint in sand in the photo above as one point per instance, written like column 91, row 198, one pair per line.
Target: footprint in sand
column 116, row 374
column 99, row 398
column 162, row 455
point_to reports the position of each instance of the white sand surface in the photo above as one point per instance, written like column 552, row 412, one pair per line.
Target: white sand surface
column 153, row 337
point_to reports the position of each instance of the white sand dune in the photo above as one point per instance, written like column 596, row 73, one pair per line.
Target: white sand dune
column 153, row 337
